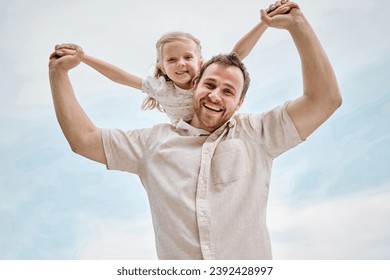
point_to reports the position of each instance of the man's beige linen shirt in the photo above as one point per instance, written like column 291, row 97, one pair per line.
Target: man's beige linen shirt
column 207, row 191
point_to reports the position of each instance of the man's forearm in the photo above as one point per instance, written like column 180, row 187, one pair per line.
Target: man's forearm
column 319, row 80
column 81, row 134
column 321, row 96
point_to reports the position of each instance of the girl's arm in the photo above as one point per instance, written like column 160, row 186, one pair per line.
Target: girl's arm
column 245, row 45
column 113, row 72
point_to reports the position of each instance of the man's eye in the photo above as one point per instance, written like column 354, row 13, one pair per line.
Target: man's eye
column 228, row 92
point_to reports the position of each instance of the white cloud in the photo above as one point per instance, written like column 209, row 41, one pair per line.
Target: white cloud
column 123, row 33
column 114, row 239
column 351, row 227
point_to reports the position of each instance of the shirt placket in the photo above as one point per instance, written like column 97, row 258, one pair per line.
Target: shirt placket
column 202, row 203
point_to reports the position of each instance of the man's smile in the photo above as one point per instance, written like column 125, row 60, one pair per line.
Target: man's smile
column 212, row 108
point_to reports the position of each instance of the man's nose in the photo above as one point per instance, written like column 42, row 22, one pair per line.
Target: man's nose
column 214, row 95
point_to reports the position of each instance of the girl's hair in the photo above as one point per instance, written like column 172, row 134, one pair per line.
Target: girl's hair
column 150, row 103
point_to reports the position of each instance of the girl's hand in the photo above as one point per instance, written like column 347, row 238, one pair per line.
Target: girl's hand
column 65, row 49
column 283, row 21
column 65, row 57
column 280, row 7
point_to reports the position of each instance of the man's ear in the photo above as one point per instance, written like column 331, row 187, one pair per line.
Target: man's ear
column 196, row 82
column 239, row 104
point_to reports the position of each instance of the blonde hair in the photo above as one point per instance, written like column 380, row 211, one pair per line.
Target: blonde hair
column 150, row 103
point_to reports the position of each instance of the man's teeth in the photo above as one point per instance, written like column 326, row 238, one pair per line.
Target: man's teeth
column 216, row 109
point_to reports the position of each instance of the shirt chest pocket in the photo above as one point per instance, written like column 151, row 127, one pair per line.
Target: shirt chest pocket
column 231, row 162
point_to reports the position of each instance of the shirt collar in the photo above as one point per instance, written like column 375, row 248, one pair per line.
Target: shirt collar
column 194, row 131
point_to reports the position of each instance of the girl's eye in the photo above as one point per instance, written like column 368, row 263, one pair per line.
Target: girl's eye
column 172, row 59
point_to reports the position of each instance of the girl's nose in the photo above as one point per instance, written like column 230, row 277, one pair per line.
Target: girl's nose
column 180, row 61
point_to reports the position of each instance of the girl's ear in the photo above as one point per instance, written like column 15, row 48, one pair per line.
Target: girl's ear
column 201, row 61
column 161, row 67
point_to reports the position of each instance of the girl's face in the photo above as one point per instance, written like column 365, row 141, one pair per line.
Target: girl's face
column 180, row 62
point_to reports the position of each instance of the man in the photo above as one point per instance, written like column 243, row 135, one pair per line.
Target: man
column 207, row 180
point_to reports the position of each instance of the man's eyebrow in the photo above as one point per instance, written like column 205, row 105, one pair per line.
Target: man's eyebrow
column 230, row 86
column 210, row 80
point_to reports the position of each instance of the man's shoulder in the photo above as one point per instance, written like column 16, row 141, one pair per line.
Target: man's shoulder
column 241, row 118
column 139, row 130
column 278, row 109
column 254, row 119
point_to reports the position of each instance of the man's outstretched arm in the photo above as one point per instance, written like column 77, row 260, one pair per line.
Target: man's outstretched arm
column 321, row 96
column 82, row 135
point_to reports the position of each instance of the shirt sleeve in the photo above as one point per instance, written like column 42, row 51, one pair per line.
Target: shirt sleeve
column 124, row 150
column 276, row 131
column 154, row 86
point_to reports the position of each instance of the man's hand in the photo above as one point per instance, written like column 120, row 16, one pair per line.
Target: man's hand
column 280, row 15
column 275, row 6
column 65, row 57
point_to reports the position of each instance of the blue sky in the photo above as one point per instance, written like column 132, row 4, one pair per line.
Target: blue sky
column 329, row 197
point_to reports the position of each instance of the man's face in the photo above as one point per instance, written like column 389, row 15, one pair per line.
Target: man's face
column 217, row 96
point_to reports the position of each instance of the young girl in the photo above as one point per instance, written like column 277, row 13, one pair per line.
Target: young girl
column 179, row 59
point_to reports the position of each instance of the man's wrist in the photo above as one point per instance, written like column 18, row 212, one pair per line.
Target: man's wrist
column 300, row 25
column 57, row 72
